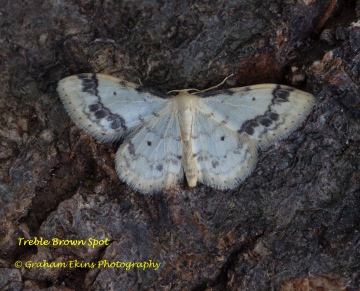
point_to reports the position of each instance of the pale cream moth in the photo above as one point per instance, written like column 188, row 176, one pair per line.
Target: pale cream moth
column 212, row 137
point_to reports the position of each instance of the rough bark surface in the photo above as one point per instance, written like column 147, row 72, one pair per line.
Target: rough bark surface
column 294, row 223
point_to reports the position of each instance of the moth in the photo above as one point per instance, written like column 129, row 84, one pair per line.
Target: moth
column 211, row 137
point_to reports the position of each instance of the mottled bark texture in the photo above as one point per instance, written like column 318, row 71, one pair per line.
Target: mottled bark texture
column 294, row 223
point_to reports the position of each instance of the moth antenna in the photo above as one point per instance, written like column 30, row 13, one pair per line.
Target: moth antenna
column 214, row 87
column 197, row 91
